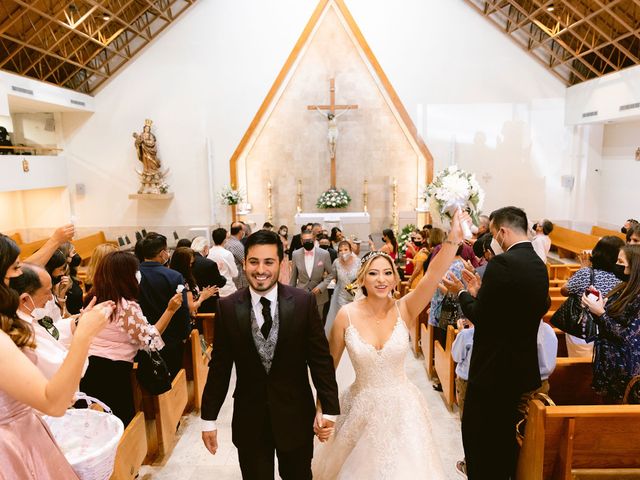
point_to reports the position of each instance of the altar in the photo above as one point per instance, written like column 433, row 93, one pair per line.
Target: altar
column 351, row 223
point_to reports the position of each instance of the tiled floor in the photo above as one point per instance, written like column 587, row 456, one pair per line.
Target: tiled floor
column 190, row 459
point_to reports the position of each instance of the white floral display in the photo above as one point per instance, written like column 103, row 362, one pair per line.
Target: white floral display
column 454, row 188
column 229, row 196
column 334, row 198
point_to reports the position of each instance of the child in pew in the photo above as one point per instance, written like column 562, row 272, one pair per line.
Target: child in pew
column 462, row 348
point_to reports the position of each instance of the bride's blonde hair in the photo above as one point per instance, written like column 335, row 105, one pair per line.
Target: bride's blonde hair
column 365, row 265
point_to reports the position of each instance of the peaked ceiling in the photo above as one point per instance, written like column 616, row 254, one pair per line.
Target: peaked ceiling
column 79, row 44
column 576, row 40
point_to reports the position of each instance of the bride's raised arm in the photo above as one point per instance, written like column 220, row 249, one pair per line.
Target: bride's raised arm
column 414, row 302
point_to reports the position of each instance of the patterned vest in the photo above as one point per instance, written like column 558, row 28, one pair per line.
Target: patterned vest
column 266, row 347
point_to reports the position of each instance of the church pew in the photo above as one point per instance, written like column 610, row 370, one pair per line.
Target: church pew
column 445, row 367
column 415, row 333
column 605, row 232
column 162, row 416
column 557, row 282
column 403, row 288
column 28, row 249
column 561, row 271
column 132, row 450
column 16, row 237
column 562, row 440
column 570, row 382
column 427, row 347
column 196, row 366
column 86, row 245
column 569, row 243
column 205, row 323
column 562, row 343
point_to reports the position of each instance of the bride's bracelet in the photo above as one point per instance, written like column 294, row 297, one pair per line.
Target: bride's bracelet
column 450, row 242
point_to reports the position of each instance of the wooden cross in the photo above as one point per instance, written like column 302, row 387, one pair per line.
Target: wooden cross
column 332, row 107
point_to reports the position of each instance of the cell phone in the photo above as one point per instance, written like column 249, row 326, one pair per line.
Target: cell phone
column 592, row 293
column 370, row 237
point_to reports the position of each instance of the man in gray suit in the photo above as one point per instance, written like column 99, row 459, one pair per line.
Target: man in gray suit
column 310, row 264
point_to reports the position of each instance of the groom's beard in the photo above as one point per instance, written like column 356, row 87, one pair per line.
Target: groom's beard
column 262, row 282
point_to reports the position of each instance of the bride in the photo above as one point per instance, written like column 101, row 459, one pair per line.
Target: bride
column 383, row 431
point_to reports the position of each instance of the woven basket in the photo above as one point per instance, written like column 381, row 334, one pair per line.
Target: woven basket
column 89, row 440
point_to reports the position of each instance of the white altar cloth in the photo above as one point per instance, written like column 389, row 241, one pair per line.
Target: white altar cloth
column 351, row 223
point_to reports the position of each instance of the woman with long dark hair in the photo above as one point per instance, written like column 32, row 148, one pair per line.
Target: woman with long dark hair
column 390, row 246
column 617, row 348
column 111, row 355
column 27, row 448
column 182, row 261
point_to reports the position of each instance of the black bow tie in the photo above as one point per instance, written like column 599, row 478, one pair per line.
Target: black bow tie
column 47, row 324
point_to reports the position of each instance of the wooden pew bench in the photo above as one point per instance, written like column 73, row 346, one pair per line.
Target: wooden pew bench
column 162, row 416
column 86, row 245
column 567, row 442
column 560, row 273
column 427, row 347
column 597, row 231
column 16, row 237
column 570, row 243
column 570, row 382
column 415, row 334
column 445, row 367
column 132, row 450
column 196, row 366
column 28, row 249
column 205, row 323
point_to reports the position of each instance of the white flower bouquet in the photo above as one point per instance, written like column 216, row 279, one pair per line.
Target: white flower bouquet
column 334, row 198
column 453, row 189
column 229, row 196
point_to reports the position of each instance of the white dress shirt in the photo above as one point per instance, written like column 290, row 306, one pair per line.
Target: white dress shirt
column 227, row 266
column 308, row 262
column 272, row 295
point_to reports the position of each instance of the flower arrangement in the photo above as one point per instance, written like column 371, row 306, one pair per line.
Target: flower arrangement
column 452, row 189
column 229, row 196
column 334, row 198
column 404, row 237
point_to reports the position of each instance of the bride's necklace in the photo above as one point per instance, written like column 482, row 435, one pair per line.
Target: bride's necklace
column 376, row 317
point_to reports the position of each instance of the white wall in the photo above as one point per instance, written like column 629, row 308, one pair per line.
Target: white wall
column 619, row 174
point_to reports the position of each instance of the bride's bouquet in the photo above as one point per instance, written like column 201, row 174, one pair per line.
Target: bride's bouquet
column 451, row 190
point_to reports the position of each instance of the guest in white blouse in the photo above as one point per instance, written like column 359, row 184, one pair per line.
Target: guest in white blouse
column 225, row 261
column 541, row 242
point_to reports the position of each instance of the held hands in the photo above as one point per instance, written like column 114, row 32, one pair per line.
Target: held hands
column 322, row 427
column 595, row 306
column 175, row 303
column 210, row 440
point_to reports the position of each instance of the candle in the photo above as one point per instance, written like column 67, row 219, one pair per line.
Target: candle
column 299, row 187
column 365, row 186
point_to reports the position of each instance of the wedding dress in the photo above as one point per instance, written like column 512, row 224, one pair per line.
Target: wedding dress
column 383, row 431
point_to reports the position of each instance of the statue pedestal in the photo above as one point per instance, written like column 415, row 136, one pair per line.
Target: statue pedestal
column 151, row 196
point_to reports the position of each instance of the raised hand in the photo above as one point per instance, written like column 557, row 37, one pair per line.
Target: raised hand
column 64, row 234
column 456, row 234
column 175, row 302
column 453, row 284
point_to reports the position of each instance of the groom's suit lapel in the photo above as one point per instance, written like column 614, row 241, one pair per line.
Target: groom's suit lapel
column 286, row 311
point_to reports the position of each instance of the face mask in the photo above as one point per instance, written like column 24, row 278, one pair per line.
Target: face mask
column 75, row 261
column 535, row 227
column 618, row 271
column 138, row 276
column 495, row 246
column 417, row 244
column 324, row 247
column 56, row 280
column 308, row 245
column 50, row 310
column 345, row 256
column 283, row 233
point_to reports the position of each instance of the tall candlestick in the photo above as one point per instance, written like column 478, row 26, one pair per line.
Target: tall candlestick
column 365, row 196
column 299, row 199
column 269, row 203
column 395, row 205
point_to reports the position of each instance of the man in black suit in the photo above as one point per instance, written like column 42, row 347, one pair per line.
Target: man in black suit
column 296, row 240
column 506, row 309
column 273, row 335
column 206, row 273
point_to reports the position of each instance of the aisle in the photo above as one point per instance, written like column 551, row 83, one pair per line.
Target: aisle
column 191, row 461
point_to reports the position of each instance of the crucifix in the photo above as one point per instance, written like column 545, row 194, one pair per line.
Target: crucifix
column 332, row 132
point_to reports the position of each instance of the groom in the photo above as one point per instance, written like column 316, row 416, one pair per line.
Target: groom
column 273, row 335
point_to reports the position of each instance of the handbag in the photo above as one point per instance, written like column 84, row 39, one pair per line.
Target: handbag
column 574, row 319
column 632, row 392
column 520, row 426
column 152, row 373
column 449, row 312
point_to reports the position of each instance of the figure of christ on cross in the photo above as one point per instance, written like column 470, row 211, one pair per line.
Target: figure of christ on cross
column 331, row 116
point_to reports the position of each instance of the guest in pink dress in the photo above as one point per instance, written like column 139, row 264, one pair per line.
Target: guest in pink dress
column 27, row 448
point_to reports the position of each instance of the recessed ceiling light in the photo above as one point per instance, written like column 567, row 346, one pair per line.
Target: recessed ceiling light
column 106, row 17
column 550, row 8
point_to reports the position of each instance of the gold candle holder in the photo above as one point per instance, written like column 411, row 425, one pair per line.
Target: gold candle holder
column 395, row 205
column 299, row 197
column 365, row 196
column 269, row 202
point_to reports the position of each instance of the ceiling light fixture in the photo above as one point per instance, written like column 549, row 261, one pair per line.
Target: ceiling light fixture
column 550, row 8
column 106, row 17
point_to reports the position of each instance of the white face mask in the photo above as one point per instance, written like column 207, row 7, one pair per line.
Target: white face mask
column 138, row 276
column 50, row 310
column 495, row 246
column 346, row 256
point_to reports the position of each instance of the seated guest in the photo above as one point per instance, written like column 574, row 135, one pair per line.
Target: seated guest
column 617, row 350
column 607, row 275
column 98, row 254
column 27, row 448
column 541, row 242
column 182, row 261
column 633, row 234
column 225, row 261
column 43, row 254
column 183, row 242
column 158, row 285
column 111, row 355
column 628, row 224
column 74, row 294
column 58, row 269
column 206, row 273
column 38, row 309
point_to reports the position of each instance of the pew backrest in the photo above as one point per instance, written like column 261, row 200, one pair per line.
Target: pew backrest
column 572, row 241
column 16, row 237
column 570, row 382
column 605, row 232
column 86, row 245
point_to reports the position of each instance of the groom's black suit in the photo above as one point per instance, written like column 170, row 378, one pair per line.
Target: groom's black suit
column 272, row 410
column 506, row 314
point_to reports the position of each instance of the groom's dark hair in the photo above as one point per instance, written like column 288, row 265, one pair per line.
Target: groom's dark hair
column 512, row 217
column 264, row 237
